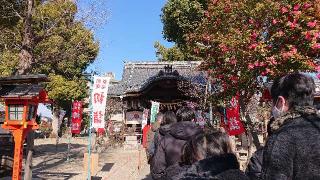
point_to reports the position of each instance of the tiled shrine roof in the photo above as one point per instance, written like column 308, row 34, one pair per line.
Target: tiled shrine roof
column 137, row 75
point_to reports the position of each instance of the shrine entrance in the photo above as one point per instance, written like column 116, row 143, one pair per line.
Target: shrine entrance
column 167, row 83
column 167, row 88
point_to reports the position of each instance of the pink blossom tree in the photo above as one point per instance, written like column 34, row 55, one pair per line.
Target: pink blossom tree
column 243, row 40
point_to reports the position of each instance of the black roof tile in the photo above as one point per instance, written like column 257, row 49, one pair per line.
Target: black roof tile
column 137, row 75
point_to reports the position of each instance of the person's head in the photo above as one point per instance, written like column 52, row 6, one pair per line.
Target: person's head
column 185, row 114
column 168, row 118
column 205, row 145
column 290, row 91
column 159, row 118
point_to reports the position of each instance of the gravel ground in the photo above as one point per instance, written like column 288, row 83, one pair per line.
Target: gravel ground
column 50, row 162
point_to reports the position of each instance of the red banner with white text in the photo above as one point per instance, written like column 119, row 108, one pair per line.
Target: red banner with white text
column 231, row 121
column 76, row 117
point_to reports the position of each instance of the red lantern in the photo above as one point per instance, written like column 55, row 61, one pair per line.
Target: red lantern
column 21, row 96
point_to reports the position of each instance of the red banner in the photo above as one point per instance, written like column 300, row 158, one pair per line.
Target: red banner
column 231, row 122
column 145, row 131
column 76, row 117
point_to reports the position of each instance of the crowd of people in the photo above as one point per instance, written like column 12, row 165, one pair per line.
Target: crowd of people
column 179, row 149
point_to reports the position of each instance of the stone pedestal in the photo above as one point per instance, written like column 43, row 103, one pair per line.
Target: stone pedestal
column 131, row 142
column 94, row 161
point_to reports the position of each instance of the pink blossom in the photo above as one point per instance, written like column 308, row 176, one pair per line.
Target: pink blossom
column 308, row 36
column 286, row 55
column 274, row 21
column 214, row 1
column 257, row 64
column 253, row 46
column 296, row 7
column 206, row 38
column 312, row 24
column 272, row 60
column 292, row 24
column 263, row 64
column 284, row 10
column 196, row 50
column 318, row 76
column 316, row 46
column 306, row 5
column 206, row 13
column 224, row 48
column 251, row 21
column 268, row 70
column 251, row 66
column 263, row 73
column 317, row 69
column 254, row 35
column 281, row 33
column 297, row 13
column 294, row 50
column 317, row 35
column 233, row 61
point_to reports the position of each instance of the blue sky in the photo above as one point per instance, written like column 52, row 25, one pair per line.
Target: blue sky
column 129, row 34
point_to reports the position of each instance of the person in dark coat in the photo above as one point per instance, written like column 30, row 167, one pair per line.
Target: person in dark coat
column 292, row 150
column 254, row 168
column 169, row 150
column 150, row 137
column 208, row 156
column 168, row 119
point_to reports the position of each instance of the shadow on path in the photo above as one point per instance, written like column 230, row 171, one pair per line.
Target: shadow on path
column 51, row 175
column 107, row 167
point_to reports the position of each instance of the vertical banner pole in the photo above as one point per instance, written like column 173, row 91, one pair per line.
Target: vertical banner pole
column 89, row 137
column 210, row 108
column 68, row 153
column 69, row 133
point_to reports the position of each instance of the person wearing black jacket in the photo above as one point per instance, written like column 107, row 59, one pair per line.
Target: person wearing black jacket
column 293, row 149
column 169, row 118
column 254, row 168
column 207, row 156
column 169, row 150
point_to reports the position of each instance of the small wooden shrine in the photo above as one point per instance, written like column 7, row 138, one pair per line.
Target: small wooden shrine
column 143, row 82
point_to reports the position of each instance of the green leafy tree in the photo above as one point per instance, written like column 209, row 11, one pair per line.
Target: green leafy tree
column 61, row 47
column 168, row 54
column 45, row 37
column 180, row 18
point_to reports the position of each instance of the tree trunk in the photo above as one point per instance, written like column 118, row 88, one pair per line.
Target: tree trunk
column 26, row 55
column 252, row 135
column 25, row 64
column 55, row 122
column 28, row 165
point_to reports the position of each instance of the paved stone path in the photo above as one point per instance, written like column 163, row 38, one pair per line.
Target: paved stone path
column 114, row 164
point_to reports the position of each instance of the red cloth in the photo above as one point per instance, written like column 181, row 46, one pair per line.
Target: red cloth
column 101, row 131
column 232, row 122
column 266, row 96
column 144, row 135
column 76, row 117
